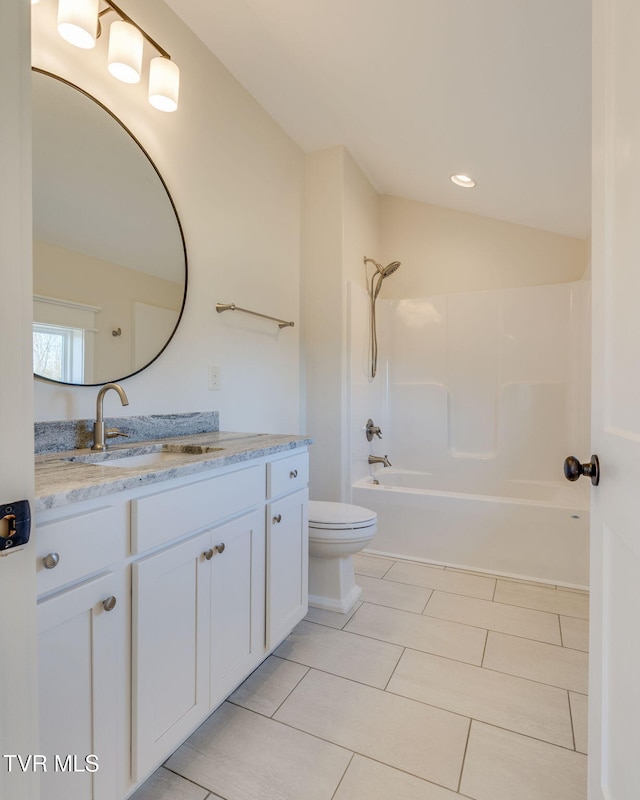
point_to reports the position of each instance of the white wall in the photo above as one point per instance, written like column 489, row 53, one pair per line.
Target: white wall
column 341, row 227
column 18, row 685
column 444, row 251
column 237, row 182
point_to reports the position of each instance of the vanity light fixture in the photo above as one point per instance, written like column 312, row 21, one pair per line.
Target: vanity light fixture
column 80, row 23
column 124, row 60
column 463, row 180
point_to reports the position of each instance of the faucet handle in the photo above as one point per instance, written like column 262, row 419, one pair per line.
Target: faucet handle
column 373, row 430
column 110, row 433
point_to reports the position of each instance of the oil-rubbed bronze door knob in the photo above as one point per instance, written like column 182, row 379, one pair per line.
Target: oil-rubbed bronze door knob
column 573, row 469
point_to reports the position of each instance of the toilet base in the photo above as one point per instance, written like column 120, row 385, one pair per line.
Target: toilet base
column 332, row 584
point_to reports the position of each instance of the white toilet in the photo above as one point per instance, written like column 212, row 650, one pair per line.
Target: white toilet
column 336, row 532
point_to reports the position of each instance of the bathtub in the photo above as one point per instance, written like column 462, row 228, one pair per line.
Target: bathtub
column 521, row 529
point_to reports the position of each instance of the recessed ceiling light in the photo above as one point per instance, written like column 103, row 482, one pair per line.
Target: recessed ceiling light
column 463, row 180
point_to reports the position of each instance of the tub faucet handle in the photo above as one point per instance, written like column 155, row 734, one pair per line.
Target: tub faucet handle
column 373, row 430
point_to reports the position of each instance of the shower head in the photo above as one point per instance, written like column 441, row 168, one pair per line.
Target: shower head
column 384, row 273
column 381, row 273
column 390, row 269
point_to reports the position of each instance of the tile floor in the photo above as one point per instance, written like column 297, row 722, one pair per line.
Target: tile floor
column 441, row 684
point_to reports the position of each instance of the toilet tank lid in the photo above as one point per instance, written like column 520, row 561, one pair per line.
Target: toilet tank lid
column 325, row 513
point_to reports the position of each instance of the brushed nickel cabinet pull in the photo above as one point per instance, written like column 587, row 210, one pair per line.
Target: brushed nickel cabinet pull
column 110, row 603
column 51, row 560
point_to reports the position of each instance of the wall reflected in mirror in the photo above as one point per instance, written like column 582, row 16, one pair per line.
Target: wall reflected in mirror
column 108, row 250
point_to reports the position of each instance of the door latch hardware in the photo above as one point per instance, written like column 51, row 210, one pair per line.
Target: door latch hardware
column 15, row 524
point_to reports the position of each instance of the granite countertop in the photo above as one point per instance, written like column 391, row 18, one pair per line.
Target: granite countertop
column 61, row 480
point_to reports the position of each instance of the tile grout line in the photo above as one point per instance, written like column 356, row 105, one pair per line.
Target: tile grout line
column 422, row 614
column 393, row 671
column 346, row 769
column 573, row 730
column 495, row 589
column 396, row 608
column 393, row 563
column 333, row 675
column 292, row 690
column 464, row 755
column 484, row 652
column 180, row 775
column 560, row 628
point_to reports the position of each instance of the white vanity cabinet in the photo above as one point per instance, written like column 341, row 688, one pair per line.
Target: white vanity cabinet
column 210, row 575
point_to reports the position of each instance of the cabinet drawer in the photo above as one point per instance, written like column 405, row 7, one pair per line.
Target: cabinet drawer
column 287, row 474
column 165, row 516
column 82, row 543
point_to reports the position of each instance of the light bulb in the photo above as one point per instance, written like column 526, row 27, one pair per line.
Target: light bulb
column 78, row 22
column 125, row 52
column 164, row 84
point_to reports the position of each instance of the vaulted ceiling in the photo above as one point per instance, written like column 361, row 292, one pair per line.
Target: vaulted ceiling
column 420, row 89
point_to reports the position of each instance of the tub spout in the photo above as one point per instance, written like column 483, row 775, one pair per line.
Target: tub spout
column 380, row 460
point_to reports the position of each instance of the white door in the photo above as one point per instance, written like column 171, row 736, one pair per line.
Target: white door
column 614, row 719
column 18, row 682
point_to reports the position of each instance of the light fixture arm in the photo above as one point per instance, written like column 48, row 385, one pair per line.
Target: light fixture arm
column 113, row 7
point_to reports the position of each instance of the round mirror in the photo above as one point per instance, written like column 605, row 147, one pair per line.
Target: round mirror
column 109, row 257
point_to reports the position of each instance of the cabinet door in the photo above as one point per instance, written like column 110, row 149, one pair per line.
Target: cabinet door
column 287, row 565
column 80, row 693
column 237, row 602
column 170, row 649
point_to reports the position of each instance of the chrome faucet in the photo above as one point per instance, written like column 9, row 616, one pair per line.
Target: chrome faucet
column 99, row 432
column 380, row 460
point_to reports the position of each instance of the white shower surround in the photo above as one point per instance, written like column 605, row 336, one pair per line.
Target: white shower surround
column 480, row 396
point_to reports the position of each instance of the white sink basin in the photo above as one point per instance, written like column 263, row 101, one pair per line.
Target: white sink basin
column 162, row 455
column 145, row 460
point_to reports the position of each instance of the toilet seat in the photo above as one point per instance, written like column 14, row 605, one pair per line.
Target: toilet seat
column 339, row 516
